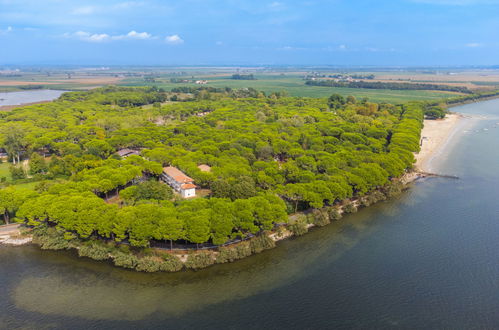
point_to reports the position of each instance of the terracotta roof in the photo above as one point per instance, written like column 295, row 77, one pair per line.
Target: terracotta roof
column 188, row 186
column 177, row 174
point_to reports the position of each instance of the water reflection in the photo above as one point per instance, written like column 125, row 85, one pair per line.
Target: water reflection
column 91, row 290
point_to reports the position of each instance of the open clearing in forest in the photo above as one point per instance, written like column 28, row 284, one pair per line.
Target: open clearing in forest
column 4, row 170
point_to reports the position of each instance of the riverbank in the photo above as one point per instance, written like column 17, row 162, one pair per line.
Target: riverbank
column 12, row 107
column 11, row 235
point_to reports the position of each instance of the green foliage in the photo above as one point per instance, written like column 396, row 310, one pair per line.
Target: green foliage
column 50, row 239
column 321, row 217
column 199, row 260
column 299, row 225
column 232, row 253
column 350, row 208
column 152, row 263
column 171, row 263
column 264, row 154
column 388, row 85
column 149, row 264
column 149, row 190
column 94, row 251
column 125, row 260
column 17, row 172
column 261, row 242
column 334, row 214
column 37, row 164
column 393, row 189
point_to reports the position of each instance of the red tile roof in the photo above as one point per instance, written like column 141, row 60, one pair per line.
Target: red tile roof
column 177, row 175
column 188, row 186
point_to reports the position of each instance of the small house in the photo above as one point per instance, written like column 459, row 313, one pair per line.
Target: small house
column 124, row 153
column 180, row 182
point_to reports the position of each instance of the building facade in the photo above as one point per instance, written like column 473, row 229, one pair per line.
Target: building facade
column 180, row 182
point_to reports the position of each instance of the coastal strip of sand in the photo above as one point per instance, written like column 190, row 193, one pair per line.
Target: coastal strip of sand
column 435, row 136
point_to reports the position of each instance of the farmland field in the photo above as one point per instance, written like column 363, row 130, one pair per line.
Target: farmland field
column 295, row 86
column 267, row 80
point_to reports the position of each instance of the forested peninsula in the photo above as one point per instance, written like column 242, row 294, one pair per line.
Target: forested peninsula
column 261, row 164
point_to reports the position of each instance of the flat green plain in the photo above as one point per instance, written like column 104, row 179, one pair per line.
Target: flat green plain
column 295, row 86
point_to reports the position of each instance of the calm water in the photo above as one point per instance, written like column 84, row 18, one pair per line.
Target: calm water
column 429, row 259
column 16, row 98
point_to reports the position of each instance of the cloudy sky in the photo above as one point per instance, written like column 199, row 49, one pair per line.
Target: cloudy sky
column 250, row 32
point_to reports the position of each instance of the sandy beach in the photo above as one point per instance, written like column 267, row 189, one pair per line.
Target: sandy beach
column 434, row 137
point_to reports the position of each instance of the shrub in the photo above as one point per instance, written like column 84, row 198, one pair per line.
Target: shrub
column 126, row 260
column 94, row 251
column 334, row 214
column 393, row 189
column 171, row 263
column 230, row 254
column 261, row 242
column 199, row 260
column 299, row 226
column 321, row 218
column 350, row 208
column 378, row 196
column 50, row 239
column 149, row 264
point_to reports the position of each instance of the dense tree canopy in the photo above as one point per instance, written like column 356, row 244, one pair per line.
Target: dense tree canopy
column 268, row 156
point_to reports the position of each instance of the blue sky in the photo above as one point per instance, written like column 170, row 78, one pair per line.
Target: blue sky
column 245, row 32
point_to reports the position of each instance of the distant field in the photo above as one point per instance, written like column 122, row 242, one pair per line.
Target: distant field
column 295, row 86
column 58, row 81
column 268, row 80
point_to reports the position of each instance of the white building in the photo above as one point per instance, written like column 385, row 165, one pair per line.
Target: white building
column 179, row 181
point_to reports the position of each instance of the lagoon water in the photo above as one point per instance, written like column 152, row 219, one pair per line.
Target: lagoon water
column 429, row 259
column 31, row 96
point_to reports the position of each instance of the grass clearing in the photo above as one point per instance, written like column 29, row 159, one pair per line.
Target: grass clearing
column 4, row 171
column 28, row 185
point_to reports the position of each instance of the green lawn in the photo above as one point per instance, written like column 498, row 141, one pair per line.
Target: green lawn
column 29, row 185
column 295, row 86
column 4, row 170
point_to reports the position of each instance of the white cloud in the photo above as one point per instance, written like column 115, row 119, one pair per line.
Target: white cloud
column 87, row 36
column 101, row 37
column 7, row 30
column 473, row 45
column 87, row 10
column 134, row 35
column 174, row 39
column 128, row 4
column 276, row 5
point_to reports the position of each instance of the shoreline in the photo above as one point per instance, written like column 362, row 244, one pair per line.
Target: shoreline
column 435, row 137
column 14, row 106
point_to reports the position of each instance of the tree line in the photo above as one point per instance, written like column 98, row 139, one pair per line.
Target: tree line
column 387, row 85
